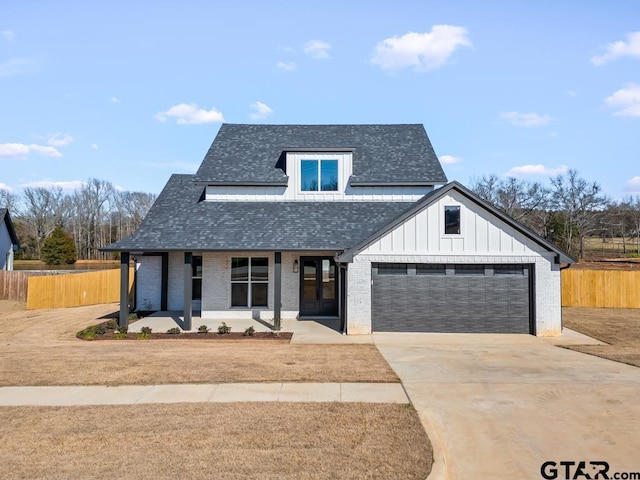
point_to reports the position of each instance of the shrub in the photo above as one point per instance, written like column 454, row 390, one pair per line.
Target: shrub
column 146, row 330
column 249, row 332
column 124, row 329
column 224, row 329
column 91, row 332
column 111, row 325
column 174, row 331
column 203, row 329
column 59, row 248
column 120, row 335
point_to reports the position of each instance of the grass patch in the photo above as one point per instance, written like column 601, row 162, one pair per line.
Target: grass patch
column 619, row 327
column 39, row 348
column 215, row 441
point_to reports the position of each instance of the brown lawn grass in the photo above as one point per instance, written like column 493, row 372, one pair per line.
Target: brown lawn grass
column 39, row 347
column 618, row 327
column 215, row 441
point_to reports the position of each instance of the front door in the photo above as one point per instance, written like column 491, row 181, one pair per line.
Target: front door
column 318, row 287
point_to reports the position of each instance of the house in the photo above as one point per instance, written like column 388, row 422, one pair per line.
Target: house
column 350, row 222
column 8, row 240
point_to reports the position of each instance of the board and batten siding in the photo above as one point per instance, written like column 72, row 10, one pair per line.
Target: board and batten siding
column 480, row 232
column 291, row 192
column 483, row 239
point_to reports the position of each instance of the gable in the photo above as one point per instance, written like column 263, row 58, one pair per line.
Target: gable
column 483, row 230
column 382, row 154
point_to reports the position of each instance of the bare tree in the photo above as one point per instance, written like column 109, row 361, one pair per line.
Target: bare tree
column 578, row 202
column 524, row 201
column 9, row 201
column 45, row 209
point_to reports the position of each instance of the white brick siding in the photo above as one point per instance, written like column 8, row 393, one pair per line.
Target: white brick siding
column 148, row 285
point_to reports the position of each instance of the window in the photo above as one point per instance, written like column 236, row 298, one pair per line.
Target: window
column 469, row 269
column 508, row 270
column 196, row 277
column 319, row 175
column 431, row 269
column 249, row 281
column 392, row 269
column 452, row 220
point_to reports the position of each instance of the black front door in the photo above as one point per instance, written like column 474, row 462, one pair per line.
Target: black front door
column 318, row 287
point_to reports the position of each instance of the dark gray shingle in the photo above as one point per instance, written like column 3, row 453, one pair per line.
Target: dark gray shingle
column 179, row 221
column 382, row 154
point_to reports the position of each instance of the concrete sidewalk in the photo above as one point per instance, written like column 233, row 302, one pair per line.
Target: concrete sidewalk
column 222, row 392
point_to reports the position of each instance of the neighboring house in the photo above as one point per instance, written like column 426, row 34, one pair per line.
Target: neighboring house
column 339, row 221
column 8, row 240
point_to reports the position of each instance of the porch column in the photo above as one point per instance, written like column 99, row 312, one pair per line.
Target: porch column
column 164, row 289
column 123, row 319
column 188, row 286
column 277, row 290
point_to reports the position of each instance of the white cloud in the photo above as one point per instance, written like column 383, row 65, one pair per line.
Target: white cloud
column 16, row 66
column 615, row 50
column 94, row 146
column 45, row 151
column 59, row 139
column 114, row 100
column 627, row 100
column 190, row 114
column 539, row 169
column 450, row 159
column 5, row 187
column 317, row 49
column 7, row 34
column 70, row 185
column 286, row 66
column 422, row 51
column 260, row 111
column 632, row 185
column 21, row 150
column 526, row 119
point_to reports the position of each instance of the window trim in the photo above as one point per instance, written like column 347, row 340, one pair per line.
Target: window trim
column 444, row 220
column 249, row 283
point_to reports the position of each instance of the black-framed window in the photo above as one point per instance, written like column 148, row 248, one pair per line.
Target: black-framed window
column 469, row 269
column 392, row 269
column 196, row 277
column 431, row 269
column 508, row 270
column 319, row 175
column 249, row 281
column 452, row 220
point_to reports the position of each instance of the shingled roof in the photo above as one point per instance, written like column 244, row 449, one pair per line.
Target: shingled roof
column 179, row 221
column 6, row 218
column 382, row 154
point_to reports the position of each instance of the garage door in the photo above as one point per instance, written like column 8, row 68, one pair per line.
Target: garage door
column 451, row 298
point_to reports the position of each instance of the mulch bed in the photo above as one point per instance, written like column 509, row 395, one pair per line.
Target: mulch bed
column 261, row 336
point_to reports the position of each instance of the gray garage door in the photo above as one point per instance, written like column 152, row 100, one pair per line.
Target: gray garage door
column 451, row 298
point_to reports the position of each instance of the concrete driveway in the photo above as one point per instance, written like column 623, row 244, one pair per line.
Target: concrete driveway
column 499, row 406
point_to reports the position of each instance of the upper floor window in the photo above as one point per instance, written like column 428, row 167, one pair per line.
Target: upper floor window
column 452, row 220
column 319, row 175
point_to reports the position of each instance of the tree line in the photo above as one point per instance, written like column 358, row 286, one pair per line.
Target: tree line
column 566, row 212
column 94, row 216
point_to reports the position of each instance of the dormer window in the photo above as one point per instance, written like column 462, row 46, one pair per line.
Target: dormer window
column 319, row 175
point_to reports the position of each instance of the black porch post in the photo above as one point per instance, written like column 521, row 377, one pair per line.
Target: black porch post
column 123, row 319
column 277, row 291
column 188, row 286
column 164, row 292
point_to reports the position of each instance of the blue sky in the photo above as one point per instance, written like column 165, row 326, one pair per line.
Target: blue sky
column 131, row 92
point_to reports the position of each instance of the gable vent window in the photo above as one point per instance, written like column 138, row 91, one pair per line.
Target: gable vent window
column 452, row 220
column 319, row 175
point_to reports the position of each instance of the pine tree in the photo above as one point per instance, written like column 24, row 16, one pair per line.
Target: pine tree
column 58, row 248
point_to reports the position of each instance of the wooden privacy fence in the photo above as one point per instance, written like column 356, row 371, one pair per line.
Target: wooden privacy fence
column 600, row 288
column 14, row 285
column 75, row 289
